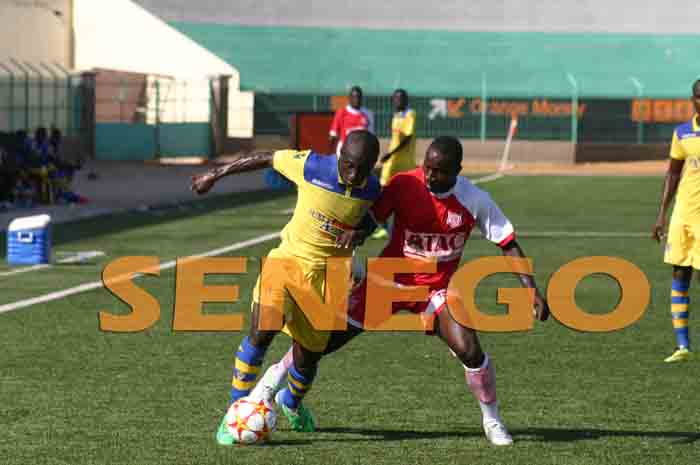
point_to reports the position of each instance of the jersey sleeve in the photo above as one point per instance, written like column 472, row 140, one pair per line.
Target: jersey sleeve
column 387, row 201
column 492, row 223
column 290, row 164
column 677, row 151
column 409, row 124
column 335, row 125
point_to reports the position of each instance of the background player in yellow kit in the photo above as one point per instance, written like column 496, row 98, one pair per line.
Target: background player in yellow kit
column 402, row 149
column 334, row 195
column 683, row 241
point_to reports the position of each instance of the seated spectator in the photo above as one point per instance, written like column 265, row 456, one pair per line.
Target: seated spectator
column 62, row 175
column 39, row 166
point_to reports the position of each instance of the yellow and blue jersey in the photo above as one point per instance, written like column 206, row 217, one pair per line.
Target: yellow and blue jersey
column 403, row 124
column 686, row 146
column 325, row 205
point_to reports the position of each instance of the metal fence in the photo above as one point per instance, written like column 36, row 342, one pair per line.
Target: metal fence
column 34, row 95
column 606, row 120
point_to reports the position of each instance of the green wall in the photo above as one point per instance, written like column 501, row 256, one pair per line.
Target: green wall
column 138, row 141
column 433, row 63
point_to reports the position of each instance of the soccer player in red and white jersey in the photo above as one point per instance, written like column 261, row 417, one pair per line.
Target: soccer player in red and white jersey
column 352, row 117
column 435, row 211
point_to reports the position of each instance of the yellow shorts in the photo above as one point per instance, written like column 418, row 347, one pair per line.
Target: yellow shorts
column 296, row 324
column 393, row 167
column 683, row 243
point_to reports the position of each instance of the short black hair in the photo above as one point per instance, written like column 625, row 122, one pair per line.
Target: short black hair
column 402, row 92
column 356, row 89
column 448, row 146
column 366, row 140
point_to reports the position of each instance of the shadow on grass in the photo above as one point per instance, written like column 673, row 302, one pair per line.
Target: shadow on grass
column 529, row 434
column 65, row 233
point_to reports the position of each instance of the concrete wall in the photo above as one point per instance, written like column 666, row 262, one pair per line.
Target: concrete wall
column 35, row 34
column 629, row 16
column 36, row 31
column 592, row 153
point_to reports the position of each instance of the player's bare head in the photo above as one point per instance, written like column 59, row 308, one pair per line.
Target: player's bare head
column 442, row 164
column 399, row 99
column 356, row 97
column 696, row 96
column 357, row 157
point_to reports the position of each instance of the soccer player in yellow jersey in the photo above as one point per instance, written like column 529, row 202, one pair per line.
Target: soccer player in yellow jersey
column 683, row 240
column 334, row 195
column 402, row 149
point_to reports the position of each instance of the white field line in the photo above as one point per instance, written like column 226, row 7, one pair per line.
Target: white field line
column 163, row 266
column 75, row 257
column 577, row 234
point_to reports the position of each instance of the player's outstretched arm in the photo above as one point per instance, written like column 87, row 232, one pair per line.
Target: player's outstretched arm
column 202, row 183
column 512, row 249
column 403, row 142
column 673, row 177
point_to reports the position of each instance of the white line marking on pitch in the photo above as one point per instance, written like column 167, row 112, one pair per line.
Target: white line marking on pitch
column 489, row 178
column 75, row 257
column 163, row 266
column 592, row 234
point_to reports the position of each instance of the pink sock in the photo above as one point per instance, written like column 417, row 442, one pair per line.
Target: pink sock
column 482, row 381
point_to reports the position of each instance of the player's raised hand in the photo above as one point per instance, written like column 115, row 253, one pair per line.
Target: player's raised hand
column 541, row 309
column 658, row 232
column 202, row 183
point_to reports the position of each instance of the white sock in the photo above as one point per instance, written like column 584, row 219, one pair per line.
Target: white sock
column 489, row 412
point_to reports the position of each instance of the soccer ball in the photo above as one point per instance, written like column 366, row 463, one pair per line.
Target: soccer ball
column 251, row 421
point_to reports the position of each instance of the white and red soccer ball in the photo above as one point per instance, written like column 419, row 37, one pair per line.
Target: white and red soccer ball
column 251, row 421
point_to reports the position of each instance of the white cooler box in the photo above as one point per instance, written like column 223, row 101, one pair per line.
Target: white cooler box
column 29, row 240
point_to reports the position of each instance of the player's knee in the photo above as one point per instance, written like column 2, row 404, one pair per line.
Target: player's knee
column 468, row 352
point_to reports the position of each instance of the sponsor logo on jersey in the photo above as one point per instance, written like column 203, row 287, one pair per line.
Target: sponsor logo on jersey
column 454, row 219
column 318, row 182
column 443, row 247
column 328, row 225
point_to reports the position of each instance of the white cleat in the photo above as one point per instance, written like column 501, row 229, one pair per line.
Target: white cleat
column 497, row 434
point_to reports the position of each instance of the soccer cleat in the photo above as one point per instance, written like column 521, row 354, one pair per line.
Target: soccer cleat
column 380, row 234
column 223, row 437
column 497, row 434
column 300, row 419
column 680, row 355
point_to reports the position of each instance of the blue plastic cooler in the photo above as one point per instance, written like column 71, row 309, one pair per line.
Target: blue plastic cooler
column 29, row 240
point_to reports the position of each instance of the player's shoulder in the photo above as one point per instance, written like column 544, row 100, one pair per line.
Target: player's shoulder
column 410, row 112
column 685, row 129
column 469, row 195
column 320, row 165
column 408, row 179
column 287, row 154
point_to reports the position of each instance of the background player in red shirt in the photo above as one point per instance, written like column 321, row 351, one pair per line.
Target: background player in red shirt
column 352, row 117
column 435, row 211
